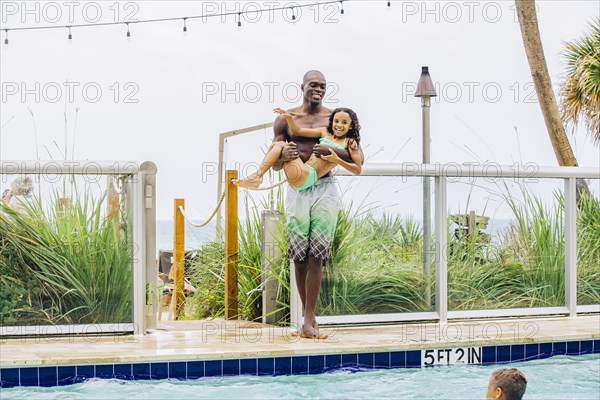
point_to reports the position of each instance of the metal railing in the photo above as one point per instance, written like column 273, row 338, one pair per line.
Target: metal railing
column 440, row 173
column 141, row 189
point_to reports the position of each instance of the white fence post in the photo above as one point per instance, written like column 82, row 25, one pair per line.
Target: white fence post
column 570, row 246
column 441, row 259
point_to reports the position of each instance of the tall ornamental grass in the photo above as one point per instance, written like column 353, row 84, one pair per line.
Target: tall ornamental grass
column 64, row 264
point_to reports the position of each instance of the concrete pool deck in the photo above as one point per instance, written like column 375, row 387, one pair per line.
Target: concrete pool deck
column 219, row 339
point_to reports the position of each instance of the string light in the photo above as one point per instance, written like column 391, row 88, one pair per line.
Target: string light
column 203, row 16
column 389, row 3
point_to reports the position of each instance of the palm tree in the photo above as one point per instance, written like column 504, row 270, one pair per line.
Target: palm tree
column 580, row 92
column 541, row 80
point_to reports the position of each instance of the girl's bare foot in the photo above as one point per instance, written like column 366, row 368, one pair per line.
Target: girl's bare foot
column 251, row 182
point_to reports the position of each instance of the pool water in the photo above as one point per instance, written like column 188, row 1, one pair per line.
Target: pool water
column 560, row 377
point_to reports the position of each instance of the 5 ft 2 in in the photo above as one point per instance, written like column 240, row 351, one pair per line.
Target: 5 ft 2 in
column 450, row 356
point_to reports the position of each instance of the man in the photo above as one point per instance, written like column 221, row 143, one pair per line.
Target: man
column 506, row 384
column 311, row 213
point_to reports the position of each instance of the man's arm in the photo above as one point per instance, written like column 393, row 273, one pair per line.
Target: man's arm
column 289, row 151
column 354, row 166
column 324, row 150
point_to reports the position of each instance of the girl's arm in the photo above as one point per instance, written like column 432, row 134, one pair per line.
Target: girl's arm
column 296, row 130
column 354, row 167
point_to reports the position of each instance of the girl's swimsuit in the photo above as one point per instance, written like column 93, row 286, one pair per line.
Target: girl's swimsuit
column 312, row 173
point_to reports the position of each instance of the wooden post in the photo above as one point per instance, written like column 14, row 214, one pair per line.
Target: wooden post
column 471, row 225
column 231, row 247
column 178, row 258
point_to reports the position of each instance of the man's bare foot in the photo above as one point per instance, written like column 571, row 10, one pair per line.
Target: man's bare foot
column 312, row 334
column 315, row 326
column 251, row 182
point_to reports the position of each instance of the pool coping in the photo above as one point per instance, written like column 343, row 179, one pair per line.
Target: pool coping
column 220, row 348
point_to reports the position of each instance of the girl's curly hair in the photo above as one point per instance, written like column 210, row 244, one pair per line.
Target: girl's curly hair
column 354, row 131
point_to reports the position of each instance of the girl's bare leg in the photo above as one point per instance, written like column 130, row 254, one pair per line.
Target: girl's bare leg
column 321, row 166
column 253, row 181
column 295, row 172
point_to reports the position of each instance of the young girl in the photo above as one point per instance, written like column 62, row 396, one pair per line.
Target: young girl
column 342, row 132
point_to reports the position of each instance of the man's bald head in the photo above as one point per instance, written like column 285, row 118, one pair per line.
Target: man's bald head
column 312, row 74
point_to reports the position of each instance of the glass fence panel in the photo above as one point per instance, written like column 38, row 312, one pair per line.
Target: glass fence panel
column 588, row 244
column 65, row 250
column 505, row 243
column 376, row 265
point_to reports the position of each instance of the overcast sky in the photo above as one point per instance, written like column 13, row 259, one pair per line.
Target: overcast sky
column 163, row 96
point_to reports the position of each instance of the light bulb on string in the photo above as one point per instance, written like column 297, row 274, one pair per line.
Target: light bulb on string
column 70, row 37
column 389, row 6
column 128, row 33
column 239, row 22
column 6, row 37
column 342, row 9
column 184, row 27
column 293, row 15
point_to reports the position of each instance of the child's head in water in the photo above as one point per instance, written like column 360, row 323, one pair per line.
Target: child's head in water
column 354, row 131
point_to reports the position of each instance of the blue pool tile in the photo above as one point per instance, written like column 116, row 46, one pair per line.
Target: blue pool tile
column 586, row 347
column 283, row 365
column 413, row 359
column 398, row 359
column 349, row 360
column 177, row 370
column 502, row 354
column 559, row 348
column 545, row 350
column 365, row 360
column 159, row 370
column 248, row 366
column 105, row 371
column 28, row 376
column 573, row 348
column 266, row 366
column 517, row 352
column 231, row 367
column 596, row 346
column 532, row 351
column 84, row 372
column 382, row 360
column 66, row 375
column 140, row 371
column 10, row 377
column 123, row 371
column 488, row 355
column 213, row 368
column 48, row 376
column 316, row 364
column 195, row 369
column 299, row 365
column 333, row 362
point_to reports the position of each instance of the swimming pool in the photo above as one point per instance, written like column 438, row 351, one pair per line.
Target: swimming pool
column 564, row 377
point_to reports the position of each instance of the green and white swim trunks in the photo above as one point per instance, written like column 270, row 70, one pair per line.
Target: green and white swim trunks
column 311, row 219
